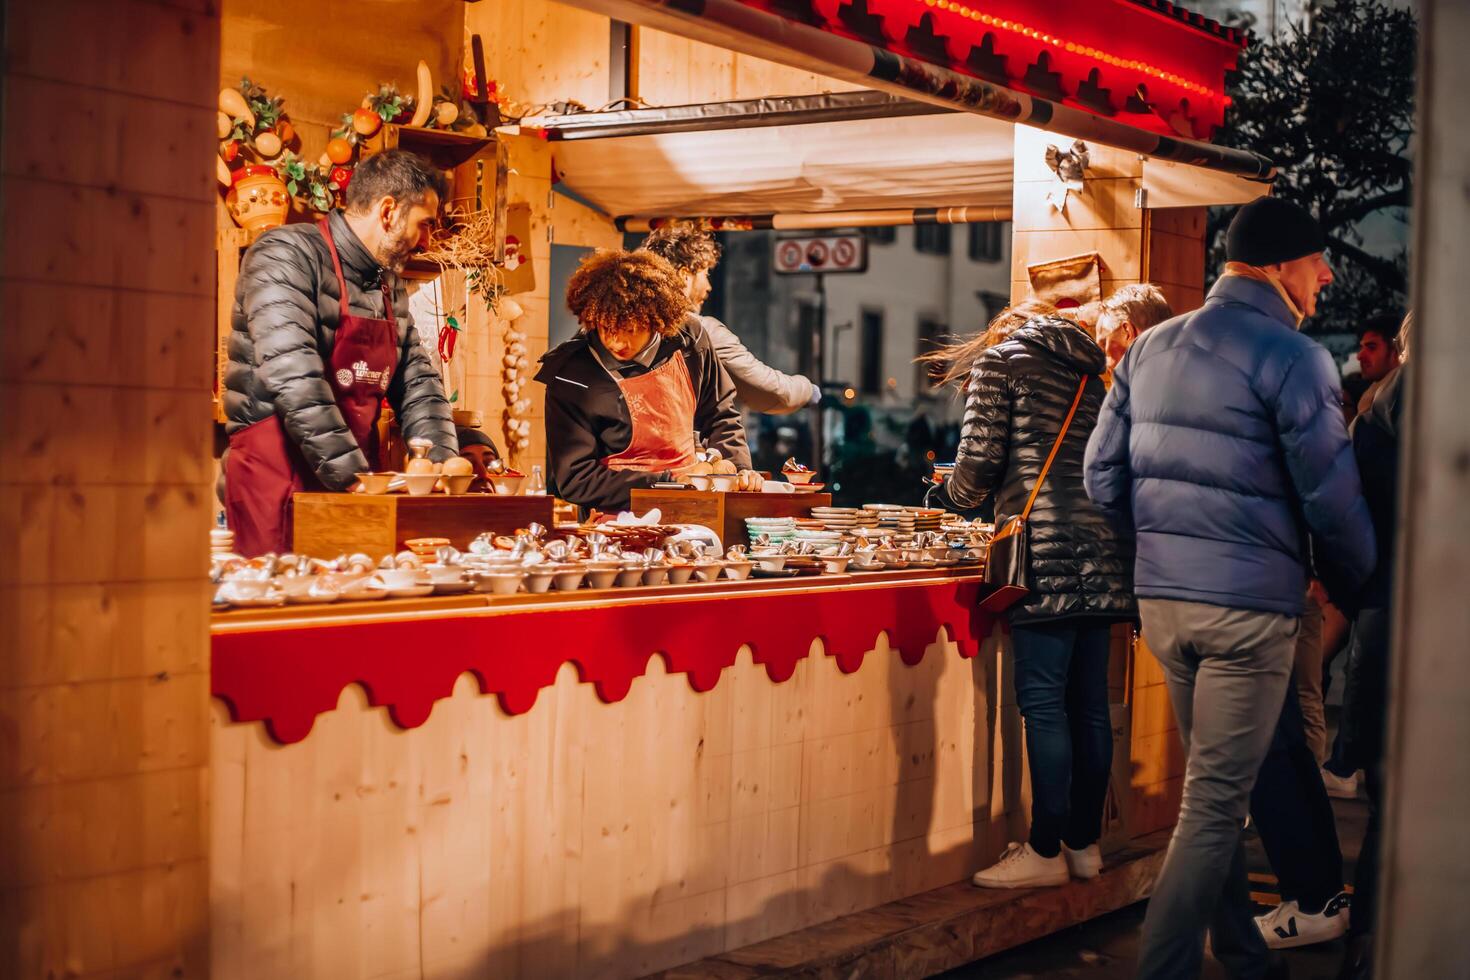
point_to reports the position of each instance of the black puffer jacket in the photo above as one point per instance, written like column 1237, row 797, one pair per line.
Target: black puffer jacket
column 282, row 327
column 1019, row 394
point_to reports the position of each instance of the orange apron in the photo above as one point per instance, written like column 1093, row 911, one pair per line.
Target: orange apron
column 661, row 406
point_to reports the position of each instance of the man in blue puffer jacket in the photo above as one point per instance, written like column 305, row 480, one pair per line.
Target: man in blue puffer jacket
column 1221, row 445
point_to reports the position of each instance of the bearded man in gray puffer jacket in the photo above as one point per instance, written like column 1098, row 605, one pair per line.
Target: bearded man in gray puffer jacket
column 321, row 334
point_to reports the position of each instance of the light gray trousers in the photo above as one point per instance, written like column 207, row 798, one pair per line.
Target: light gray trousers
column 1227, row 672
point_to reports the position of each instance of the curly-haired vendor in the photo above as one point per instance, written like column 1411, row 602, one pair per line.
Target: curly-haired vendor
column 627, row 398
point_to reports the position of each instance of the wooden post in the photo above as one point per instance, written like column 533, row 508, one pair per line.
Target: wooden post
column 1426, row 852
column 108, row 284
column 1134, row 244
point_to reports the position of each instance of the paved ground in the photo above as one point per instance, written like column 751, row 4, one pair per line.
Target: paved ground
column 1107, row 948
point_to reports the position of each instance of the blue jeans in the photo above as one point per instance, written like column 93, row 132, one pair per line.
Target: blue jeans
column 1062, row 691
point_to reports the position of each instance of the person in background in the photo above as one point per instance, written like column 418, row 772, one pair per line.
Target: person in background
column 1027, row 375
column 1365, row 695
column 479, row 449
column 1222, row 450
column 627, row 397
column 320, row 335
column 1378, row 354
column 759, row 387
column 1128, row 312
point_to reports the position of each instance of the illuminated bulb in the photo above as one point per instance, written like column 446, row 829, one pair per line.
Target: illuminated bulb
column 1071, row 46
column 986, row 19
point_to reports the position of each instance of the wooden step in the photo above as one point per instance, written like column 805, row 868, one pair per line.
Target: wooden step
column 937, row 930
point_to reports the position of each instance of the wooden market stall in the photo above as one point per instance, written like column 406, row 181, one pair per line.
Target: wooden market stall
column 612, row 784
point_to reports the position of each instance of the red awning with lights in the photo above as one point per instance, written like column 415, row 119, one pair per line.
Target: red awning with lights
column 1147, row 63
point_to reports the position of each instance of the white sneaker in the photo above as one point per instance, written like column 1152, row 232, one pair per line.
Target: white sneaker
column 1021, row 867
column 1287, row 926
column 1340, row 787
column 1086, row 863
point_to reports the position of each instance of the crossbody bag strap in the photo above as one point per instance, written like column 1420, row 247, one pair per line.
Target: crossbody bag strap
column 1076, row 400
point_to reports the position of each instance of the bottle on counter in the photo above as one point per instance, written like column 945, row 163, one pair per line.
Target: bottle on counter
column 536, row 485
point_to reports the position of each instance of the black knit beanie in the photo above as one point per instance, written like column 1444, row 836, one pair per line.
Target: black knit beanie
column 1269, row 230
column 474, row 437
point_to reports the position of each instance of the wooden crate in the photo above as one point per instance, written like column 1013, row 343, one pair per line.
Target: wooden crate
column 725, row 513
column 330, row 524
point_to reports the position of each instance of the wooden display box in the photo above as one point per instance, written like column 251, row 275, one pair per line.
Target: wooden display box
column 331, row 524
column 725, row 513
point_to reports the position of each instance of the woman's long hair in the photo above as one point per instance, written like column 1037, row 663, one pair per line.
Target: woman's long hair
column 956, row 359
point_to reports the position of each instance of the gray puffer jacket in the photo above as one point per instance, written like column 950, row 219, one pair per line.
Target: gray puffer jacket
column 282, row 328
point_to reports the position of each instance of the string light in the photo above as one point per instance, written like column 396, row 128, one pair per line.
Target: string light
column 1072, row 47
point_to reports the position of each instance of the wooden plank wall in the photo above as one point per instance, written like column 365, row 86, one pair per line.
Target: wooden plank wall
column 324, row 55
column 590, row 840
column 105, row 499
column 673, row 70
column 1165, row 246
column 1103, row 218
column 1175, row 255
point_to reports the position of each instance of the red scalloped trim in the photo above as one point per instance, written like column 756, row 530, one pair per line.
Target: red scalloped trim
column 286, row 677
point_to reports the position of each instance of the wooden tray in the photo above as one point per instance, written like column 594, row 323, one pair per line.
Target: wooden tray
column 330, row 524
column 725, row 513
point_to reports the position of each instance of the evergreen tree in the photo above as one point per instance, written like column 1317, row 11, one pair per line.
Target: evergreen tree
column 1331, row 101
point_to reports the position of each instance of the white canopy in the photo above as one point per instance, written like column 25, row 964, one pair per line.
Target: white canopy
column 697, row 167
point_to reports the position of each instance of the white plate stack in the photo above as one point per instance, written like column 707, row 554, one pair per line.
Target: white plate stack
column 845, row 519
column 221, row 541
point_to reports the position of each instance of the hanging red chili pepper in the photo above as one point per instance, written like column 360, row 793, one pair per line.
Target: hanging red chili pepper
column 448, row 337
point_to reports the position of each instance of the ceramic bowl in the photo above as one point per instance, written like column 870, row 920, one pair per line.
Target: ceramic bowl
column 375, row 483
column 655, row 575
column 771, row 563
column 444, row 574
column 539, row 579
column 738, row 570
column 836, row 565
column 629, row 577
column 420, row 484
column 456, row 485
column 800, row 478
column 722, row 482
column 396, row 578
column 708, row 570
column 601, row 578
column 568, row 578
column 500, row 583
column 243, row 588
column 679, row 574
column 507, row 485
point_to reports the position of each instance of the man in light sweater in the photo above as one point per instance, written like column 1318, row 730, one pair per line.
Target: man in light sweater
column 758, row 386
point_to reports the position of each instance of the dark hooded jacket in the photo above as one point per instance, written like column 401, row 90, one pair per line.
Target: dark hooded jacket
column 587, row 419
column 1019, row 393
column 282, row 327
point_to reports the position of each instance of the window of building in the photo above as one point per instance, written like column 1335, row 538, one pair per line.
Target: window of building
column 870, row 353
column 881, row 234
column 931, row 239
column 987, row 240
column 931, row 337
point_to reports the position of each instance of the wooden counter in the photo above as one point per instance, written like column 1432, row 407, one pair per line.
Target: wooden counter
column 663, row 774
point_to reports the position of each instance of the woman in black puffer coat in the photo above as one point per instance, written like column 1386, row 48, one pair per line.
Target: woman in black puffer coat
column 1019, row 392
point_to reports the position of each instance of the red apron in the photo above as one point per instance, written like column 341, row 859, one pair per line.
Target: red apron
column 661, row 406
column 265, row 467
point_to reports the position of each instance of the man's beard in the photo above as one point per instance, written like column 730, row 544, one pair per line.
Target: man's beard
column 397, row 248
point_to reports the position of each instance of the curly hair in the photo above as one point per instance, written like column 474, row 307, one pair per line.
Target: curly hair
column 616, row 291
column 686, row 246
